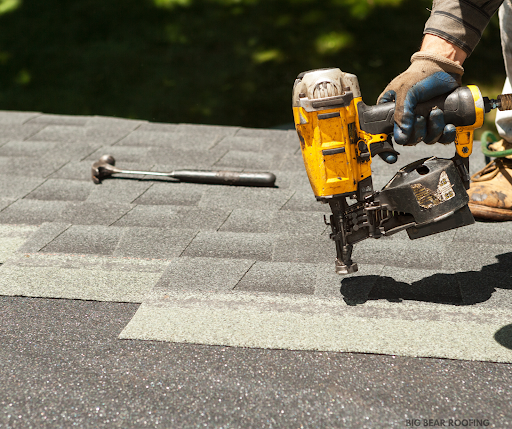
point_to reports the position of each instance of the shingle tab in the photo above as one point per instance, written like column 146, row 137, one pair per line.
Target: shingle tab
column 30, row 166
column 207, row 129
column 279, row 278
column 62, row 190
column 26, row 148
column 311, row 249
column 172, row 193
column 187, row 157
column 277, row 222
column 93, row 213
column 60, row 119
column 18, row 131
column 45, row 234
column 154, row 243
column 73, row 133
column 301, row 201
column 117, row 191
column 13, row 117
column 251, row 161
column 234, row 197
column 203, row 274
column 242, row 144
column 81, row 239
column 231, row 245
column 477, row 256
column 17, row 186
column 167, row 141
column 165, row 216
column 32, row 212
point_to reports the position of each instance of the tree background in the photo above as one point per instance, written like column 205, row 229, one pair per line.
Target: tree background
column 226, row 62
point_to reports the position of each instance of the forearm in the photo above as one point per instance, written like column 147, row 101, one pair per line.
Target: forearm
column 460, row 22
column 440, row 46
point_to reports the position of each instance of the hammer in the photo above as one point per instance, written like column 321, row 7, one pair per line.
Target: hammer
column 105, row 167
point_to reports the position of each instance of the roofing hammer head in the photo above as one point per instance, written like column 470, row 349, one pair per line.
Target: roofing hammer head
column 102, row 168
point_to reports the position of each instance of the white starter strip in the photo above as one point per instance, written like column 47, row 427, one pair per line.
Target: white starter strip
column 312, row 323
column 87, row 277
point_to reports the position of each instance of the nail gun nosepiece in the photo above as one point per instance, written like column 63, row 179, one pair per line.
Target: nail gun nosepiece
column 342, row 268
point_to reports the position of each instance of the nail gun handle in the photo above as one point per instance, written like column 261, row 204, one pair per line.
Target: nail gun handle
column 458, row 107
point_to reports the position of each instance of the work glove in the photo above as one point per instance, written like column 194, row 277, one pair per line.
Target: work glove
column 428, row 76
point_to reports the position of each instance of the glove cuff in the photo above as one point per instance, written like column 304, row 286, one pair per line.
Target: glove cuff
column 447, row 65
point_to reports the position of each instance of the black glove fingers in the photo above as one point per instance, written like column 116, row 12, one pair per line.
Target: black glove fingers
column 435, row 126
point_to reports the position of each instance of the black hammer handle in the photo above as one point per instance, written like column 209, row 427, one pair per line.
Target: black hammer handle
column 458, row 108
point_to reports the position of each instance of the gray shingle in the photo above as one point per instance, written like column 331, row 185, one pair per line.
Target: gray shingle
column 395, row 252
column 46, row 233
column 278, row 277
column 72, row 133
column 121, row 154
column 305, row 201
column 168, row 141
column 119, row 124
column 174, row 217
column 207, row 129
column 158, row 127
column 287, row 144
column 235, row 197
column 203, row 274
column 231, row 245
column 60, row 119
column 18, row 131
column 297, row 180
column 173, row 193
column 13, row 117
column 485, row 232
column 154, row 243
column 117, row 191
column 93, row 213
column 474, row 257
column 61, row 189
column 311, row 249
column 291, row 162
column 277, row 222
column 170, row 159
column 81, row 239
column 263, row 132
column 251, row 161
column 17, row 186
column 5, row 202
column 32, row 212
column 26, row 148
column 30, row 166
column 249, row 144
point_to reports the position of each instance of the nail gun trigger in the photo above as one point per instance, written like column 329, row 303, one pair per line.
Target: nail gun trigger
column 325, row 221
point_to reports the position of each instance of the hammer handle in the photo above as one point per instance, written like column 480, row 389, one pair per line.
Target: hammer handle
column 225, row 177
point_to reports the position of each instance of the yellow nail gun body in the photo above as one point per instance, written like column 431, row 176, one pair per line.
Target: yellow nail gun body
column 339, row 134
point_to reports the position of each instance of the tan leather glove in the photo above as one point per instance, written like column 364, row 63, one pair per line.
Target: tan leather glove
column 428, row 76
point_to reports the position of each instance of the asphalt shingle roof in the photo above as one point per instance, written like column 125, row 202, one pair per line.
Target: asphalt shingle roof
column 235, row 265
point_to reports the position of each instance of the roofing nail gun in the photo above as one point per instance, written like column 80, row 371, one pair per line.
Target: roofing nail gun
column 339, row 134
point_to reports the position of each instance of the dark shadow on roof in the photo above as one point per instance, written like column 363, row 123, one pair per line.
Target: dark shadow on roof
column 464, row 288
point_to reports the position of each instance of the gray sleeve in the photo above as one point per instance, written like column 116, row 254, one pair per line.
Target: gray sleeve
column 461, row 22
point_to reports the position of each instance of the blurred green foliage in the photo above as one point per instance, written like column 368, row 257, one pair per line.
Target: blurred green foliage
column 230, row 62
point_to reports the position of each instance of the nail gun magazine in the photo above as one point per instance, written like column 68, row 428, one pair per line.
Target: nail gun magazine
column 339, row 136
